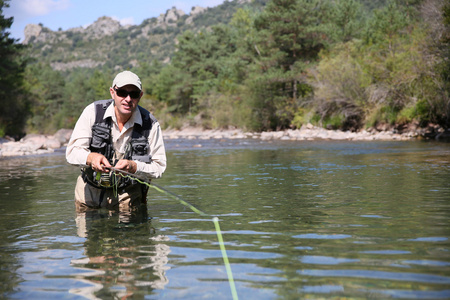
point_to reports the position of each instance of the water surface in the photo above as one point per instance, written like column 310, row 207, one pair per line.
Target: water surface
column 299, row 220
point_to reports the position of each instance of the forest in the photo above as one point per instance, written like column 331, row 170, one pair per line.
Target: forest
column 268, row 65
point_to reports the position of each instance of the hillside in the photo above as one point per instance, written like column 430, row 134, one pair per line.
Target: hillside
column 256, row 65
column 106, row 43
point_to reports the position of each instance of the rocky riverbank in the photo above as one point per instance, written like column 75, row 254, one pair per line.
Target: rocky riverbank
column 309, row 132
column 34, row 144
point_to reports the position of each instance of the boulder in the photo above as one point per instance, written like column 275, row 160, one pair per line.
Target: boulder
column 35, row 141
column 33, row 144
column 444, row 136
column 63, row 135
column 52, row 143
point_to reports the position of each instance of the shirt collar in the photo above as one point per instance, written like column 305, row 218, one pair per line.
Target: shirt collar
column 135, row 117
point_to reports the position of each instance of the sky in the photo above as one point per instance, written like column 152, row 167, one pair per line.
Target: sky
column 65, row 14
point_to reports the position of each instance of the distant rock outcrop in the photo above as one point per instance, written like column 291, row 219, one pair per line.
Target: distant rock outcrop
column 171, row 17
column 83, row 63
column 31, row 30
column 104, row 26
column 37, row 33
column 196, row 10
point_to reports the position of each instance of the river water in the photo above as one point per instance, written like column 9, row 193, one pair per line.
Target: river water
column 317, row 219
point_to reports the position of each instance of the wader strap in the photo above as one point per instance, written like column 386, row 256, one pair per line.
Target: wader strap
column 102, row 195
column 144, row 189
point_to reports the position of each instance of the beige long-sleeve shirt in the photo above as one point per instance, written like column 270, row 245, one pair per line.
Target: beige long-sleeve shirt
column 78, row 147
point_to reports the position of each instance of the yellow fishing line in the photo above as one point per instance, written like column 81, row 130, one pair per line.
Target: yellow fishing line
column 193, row 208
column 196, row 210
column 225, row 258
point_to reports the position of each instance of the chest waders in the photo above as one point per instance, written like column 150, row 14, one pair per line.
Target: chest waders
column 136, row 149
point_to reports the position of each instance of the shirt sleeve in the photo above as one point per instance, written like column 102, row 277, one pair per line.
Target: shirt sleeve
column 77, row 149
column 157, row 166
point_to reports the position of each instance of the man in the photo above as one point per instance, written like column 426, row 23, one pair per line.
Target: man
column 116, row 133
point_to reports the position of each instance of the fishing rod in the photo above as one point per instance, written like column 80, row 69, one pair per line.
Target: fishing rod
column 157, row 187
column 215, row 219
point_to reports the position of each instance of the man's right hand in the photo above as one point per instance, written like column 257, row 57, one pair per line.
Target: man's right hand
column 98, row 162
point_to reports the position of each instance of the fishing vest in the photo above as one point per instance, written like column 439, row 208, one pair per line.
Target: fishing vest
column 101, row 142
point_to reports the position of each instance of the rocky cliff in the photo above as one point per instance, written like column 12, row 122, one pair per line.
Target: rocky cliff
column 74, row 48
column 104, row 26
column 109, row 45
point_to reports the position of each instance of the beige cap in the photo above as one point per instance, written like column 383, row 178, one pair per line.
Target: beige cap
column 126, row 77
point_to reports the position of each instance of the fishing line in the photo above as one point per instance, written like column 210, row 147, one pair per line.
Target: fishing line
column 194, row 209
column 225, row 258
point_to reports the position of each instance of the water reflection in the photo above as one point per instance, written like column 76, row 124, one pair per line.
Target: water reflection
column 124, row 256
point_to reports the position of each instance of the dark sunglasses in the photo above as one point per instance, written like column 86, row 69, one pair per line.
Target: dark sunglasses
column 125, row 93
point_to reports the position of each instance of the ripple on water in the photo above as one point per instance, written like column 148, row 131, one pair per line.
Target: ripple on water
column 322, row 236
column 381, row 275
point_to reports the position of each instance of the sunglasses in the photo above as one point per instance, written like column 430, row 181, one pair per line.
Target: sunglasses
column 125, row 93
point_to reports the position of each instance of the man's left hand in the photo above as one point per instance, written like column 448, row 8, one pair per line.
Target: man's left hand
column 126, row 165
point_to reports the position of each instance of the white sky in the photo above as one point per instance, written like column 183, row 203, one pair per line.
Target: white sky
column 66, row 14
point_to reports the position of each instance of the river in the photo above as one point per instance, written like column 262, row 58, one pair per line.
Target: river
column 315, row 219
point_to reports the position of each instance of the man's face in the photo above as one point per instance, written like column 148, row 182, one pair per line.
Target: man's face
column 126, row 99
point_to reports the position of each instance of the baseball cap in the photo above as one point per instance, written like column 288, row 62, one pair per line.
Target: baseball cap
column 125, row 78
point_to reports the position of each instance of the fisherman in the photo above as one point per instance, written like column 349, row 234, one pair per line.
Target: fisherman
column 121, row 134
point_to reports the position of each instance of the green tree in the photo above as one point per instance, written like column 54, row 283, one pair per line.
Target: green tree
column 244, row 37
column 347, row 19
column 46, row 88
column 148, row 72
column 83, row 87
column 14, row 103
column 446, row 65
column 195, row 69
column 291, row 33
column 174, row 86
column 390, row 79
column 386, row 23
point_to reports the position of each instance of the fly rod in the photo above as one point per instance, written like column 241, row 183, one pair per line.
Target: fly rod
column 157, row 187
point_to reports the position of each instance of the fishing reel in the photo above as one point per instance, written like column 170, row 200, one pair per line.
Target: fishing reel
column 110, row 180
column 105, row 179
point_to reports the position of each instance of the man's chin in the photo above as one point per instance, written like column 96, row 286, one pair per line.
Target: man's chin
column 127, row 110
